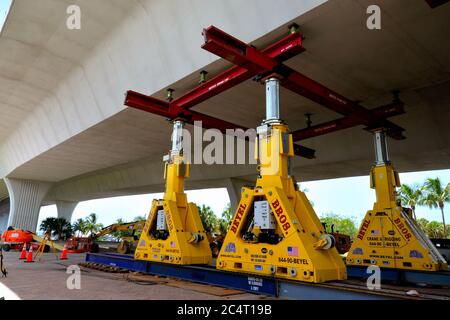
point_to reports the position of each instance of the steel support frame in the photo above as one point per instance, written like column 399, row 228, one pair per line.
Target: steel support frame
column 249, row 62
column 180, row 107
column 244, row 55
column 378, row 115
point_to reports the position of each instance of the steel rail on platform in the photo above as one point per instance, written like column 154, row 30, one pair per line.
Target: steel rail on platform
column 435, row 278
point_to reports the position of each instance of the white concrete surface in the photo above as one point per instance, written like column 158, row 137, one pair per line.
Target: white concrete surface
column 65, row 209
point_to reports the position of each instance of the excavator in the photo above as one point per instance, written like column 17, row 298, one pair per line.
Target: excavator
column 127, row 243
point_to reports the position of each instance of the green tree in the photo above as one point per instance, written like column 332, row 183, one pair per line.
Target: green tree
column 79, row 226
column 92, row 225
column 222, row 226
column 341, row 224
column 208, row 218
column 435, row 229
column 410, row 196
column 48, row 226
column 63, row 229
column 436, row 195
column 140, row 218
column 227, row 213
column 57, row 227
column 423, row 223
column 120, row 221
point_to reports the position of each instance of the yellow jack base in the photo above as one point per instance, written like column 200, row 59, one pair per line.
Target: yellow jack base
column 298, row 255
column 392, row 239
column 183, row 243
column 388, row 236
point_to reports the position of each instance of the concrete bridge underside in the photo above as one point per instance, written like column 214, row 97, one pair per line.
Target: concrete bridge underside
column 66, row 136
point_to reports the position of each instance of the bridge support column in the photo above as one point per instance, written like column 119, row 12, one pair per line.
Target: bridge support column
column 25, row 202
column 4, row 214
column 234, row 187
column 65, row 209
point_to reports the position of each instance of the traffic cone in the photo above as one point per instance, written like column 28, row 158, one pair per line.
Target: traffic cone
column 64, row 253
column 23, row 255
column 30, row 255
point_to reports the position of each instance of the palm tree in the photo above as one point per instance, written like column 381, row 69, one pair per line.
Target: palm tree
column 79, row 226
column 140, row 218
column 63, row 229
column 436, row 195
column 92, row 226
column 410, row 196
column 48, row 226
column 58, row 227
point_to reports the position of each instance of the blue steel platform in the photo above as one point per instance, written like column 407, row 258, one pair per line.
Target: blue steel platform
column 404, row 276
column 249, row 283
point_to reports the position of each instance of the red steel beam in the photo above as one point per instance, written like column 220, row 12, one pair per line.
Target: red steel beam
column 251, row 62
column 280, row 51
column 284, row 49
column 238, row 52
column 378, row 116
column 149, row 104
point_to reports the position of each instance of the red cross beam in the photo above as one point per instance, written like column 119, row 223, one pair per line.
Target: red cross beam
column 248, row 57
column 149, row 104
column 284, row 49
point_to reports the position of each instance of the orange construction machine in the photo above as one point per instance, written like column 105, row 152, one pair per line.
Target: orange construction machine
column 14, row 239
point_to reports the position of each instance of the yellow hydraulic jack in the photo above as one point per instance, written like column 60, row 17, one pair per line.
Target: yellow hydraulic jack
column 173, row 232
column 389, row 237
column 275, row 231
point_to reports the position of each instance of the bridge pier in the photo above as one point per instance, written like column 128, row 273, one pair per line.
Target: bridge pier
column 25, row 202
column 65, row 209
column 4, row 214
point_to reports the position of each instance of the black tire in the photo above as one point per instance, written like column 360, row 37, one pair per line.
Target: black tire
column 95, row 248
column 47, row 248
column 6, row 247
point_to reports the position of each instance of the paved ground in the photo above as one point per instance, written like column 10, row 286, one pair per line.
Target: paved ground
column 47, row 280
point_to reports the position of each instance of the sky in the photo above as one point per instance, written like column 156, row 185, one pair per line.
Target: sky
column 349, row 197
column 4, row 9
